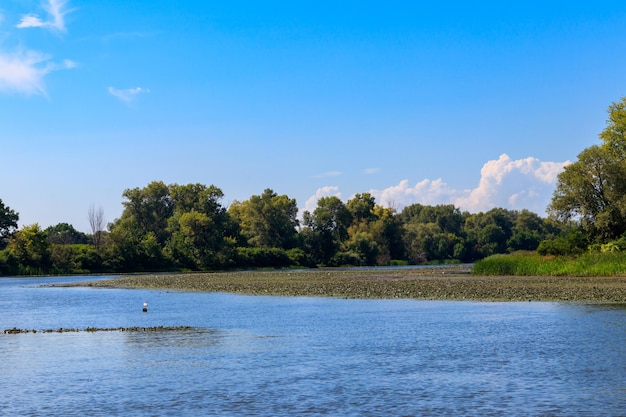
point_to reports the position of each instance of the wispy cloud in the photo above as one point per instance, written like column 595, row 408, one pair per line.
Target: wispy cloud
column 514, row 184
column 127, row 95
column 370, row 171
column 327, row 174
column 55, row 20
column 24, row 71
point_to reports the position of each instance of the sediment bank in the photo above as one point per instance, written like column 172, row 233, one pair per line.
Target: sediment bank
column 450, row 283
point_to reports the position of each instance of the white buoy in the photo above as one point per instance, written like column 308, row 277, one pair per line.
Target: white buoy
column 145, row 307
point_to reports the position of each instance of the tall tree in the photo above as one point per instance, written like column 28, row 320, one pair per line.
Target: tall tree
column 592, row 190
column 8, row 223
column 148, row 209
column 267, row 220
column 200, row 226
column 362, row 207
column 96, row 224
column 328, row 226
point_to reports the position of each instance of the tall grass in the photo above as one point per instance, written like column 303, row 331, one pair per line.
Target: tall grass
column 533, row 264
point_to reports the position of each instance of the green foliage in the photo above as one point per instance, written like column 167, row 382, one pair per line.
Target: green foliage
column 532, row 264
column 574, row 243
column 262, row 258
column 327, row 228
column 30, row 248
column 8, row 223
column 65, row 234
column 267, row 220
column 74, row 259
column 592, row 190
column 185, row 227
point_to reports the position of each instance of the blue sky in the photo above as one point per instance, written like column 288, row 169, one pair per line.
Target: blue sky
column 478, row 104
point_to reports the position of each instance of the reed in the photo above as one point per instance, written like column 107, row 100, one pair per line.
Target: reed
column 532, row 264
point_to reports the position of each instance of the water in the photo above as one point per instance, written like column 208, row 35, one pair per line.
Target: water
column 283, row 356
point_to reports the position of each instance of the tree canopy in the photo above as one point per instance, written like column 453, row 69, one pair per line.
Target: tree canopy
column 592, row 190
column 8, row 223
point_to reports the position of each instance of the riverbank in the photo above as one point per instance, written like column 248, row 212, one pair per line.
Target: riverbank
column 450, row 283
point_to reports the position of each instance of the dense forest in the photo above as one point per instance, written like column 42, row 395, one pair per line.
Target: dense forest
column 186, row 227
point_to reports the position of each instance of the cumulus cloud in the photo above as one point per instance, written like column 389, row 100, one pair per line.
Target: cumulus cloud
column 55, row 20
column 328, row 191
column 127, row 95
column 513, row 184
column 24, row 71
column 516, row 184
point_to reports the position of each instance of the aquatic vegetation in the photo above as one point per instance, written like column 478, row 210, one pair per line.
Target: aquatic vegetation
column 450, row 283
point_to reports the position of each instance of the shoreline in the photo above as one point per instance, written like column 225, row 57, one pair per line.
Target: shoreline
column 450, row 283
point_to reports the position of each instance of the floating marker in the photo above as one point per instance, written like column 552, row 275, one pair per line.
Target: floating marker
column 145, row 307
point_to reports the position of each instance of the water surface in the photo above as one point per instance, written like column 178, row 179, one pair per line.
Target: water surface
column 279, row 356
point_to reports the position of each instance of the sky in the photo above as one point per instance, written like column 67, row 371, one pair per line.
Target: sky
column 478, row 104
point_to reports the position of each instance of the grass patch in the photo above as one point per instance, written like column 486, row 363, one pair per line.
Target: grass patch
column 532, row 264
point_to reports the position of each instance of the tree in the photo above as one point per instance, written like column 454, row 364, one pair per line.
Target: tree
column 592, row 190
column 96, row 224
column 8, row 223
column 31, row 249
column 267, row 220
column 362, row 206
column 65, row 234
column 328, row 226
column 201, row 228
column 148, row 209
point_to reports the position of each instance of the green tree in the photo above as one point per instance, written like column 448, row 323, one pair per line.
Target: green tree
column 267, row 220
column 201, row 229
column 8, row 223
column 362, row 206
column 592, row 190
column 328, row 228
column 29, row 246
column 65, row 234
column 148, row 209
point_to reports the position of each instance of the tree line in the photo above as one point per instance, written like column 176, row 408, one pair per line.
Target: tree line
column 187, row 227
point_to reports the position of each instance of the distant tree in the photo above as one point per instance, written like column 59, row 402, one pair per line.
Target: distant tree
column 362, row 207
column 148, row 210
column 8, row 223
column 96, row 224
column 267, row 220
column 202, row 231
column 65, row 234
column 29, row 246
column 328, row 228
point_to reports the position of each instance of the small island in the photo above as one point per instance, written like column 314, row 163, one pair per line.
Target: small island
column 445, row 283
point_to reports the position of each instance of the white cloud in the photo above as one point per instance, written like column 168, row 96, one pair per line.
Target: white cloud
column 24, row 71
column 370, row 171
column 516, row 184
column 127, row 95
column 330, row 190
column 56, row 17
column 328, row 174
column 513, row 184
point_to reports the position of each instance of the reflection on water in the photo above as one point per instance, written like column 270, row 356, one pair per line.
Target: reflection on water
column 274, row 356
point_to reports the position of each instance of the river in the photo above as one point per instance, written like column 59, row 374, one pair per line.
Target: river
column 285, row 356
